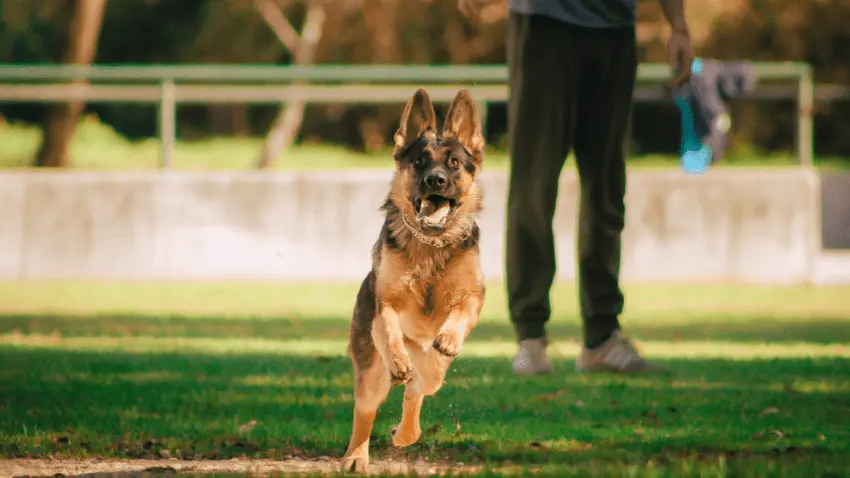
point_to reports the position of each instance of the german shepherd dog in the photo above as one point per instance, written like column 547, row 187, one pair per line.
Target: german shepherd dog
column 425, row 291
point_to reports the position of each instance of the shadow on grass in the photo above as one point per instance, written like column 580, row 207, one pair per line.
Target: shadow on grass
column 820, row 330
column 220, row 406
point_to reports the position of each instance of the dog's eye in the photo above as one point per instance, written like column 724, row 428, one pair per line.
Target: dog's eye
column 419, row 162
column 453, row 162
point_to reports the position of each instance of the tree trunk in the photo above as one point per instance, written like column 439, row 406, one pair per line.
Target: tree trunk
column 61, row 121
column 287, row 124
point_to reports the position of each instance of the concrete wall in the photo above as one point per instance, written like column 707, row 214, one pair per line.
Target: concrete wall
column 726, row 225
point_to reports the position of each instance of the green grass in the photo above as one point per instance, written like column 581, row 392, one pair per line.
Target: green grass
column 761, row 384
column 96, row 146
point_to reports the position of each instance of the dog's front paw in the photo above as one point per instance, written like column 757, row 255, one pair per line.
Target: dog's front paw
column 401, row 369
column 447, row 343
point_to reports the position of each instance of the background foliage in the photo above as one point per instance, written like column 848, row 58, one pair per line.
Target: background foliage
column 421, row 31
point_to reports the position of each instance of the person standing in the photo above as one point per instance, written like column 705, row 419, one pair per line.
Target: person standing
column 571, row 73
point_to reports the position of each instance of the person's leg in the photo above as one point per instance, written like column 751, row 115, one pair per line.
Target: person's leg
column 540, row 116
column 604, row 107
column 606, row 84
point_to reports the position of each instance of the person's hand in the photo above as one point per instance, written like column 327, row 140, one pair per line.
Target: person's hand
column 680, row 56
column 471, row 9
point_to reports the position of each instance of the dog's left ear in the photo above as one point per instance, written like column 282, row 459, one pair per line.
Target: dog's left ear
column 417, row 119
column 463, row 123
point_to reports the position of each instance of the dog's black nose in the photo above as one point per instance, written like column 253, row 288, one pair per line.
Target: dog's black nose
column 436, row 180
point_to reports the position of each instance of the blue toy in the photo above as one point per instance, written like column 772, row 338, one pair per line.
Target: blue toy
column 705, row 117
column 695, row 156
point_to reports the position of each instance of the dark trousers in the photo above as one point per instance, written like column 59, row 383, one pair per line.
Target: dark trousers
column 570, row 87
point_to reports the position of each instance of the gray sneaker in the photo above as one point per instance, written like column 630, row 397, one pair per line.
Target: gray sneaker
column 531, row 357
column 618, row 355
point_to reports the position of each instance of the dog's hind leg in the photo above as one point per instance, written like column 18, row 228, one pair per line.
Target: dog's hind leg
column 371, row 387
column 371, row 378
column 431, row 368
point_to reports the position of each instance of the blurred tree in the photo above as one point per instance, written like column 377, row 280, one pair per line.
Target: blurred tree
column 412, row 31
column 256, row 43
column 303, row 49
column 62, row 119
column 30, row 30
column 185, row 31
column 812, row 31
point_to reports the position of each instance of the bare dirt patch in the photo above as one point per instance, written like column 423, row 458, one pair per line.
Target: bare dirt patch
column 126, row 468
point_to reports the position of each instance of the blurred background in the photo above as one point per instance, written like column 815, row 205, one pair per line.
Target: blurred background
column 403, row 33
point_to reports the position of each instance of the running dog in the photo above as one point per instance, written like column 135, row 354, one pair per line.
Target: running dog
column 423, row 296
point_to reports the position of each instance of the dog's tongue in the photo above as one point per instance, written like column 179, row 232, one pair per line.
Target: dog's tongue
column 433, row 214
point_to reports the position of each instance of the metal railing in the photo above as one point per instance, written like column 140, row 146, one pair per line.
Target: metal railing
column 170, row 85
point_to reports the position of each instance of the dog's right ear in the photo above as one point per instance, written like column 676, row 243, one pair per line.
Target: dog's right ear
column 418, row 117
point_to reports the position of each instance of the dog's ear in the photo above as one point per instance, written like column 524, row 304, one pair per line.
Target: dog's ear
column 418, row 117
column 463, row 122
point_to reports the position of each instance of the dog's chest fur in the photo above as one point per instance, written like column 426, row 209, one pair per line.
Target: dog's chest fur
column 430, row 296
column 424, row 284
column 424, row 275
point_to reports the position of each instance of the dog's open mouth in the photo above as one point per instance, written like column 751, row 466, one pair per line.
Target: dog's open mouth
column 433, row 211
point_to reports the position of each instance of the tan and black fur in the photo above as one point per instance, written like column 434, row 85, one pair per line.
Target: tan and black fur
column 425, row 291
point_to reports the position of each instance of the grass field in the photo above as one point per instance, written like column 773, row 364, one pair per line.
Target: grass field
column 96, row 146
column 761, row 383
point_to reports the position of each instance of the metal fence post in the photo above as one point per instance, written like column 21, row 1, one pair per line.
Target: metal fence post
column 805, row 114
column 167, row 122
